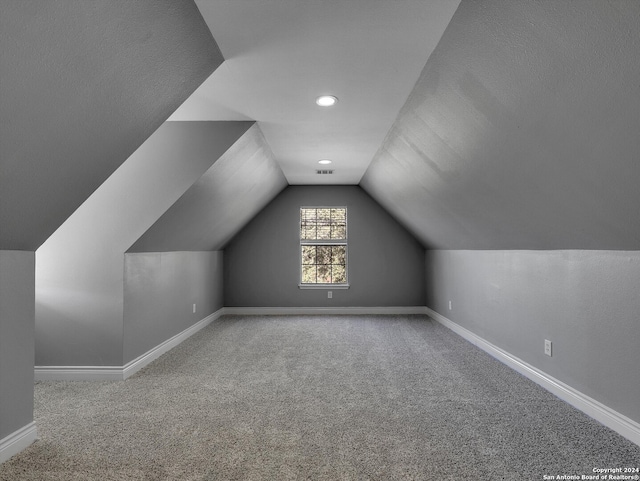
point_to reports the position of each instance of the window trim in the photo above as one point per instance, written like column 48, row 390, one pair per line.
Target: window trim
column 321, row 242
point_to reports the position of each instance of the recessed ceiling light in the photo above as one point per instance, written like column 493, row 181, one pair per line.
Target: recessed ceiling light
column 326, row 100
column 324, row 161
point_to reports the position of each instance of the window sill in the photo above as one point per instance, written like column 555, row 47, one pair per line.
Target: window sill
column 323, row 286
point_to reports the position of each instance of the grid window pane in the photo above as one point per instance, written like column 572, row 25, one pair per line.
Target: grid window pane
column 308, row 216
column 309, row 275
column 339, row 274
column 324, row 274
column 309, row 255
column 323, row 255
column 339, row 215
column 338, row 231
column 323, row 232
column 324, row 216
column 308, row 231
column 322, row 262
column 323, row 223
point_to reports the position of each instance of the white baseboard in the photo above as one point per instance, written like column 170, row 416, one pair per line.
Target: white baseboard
column 301, row 311
column 612, row 419
column 598, row 411
column 134, row 366
column 77, row 373
column 17, row 441
column 120, row 373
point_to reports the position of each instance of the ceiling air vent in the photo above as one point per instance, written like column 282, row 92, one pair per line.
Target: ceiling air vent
column 324, row 172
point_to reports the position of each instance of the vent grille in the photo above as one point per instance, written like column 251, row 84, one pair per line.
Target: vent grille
column 324, row 172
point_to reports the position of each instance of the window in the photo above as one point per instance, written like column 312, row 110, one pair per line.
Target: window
column 323, row 246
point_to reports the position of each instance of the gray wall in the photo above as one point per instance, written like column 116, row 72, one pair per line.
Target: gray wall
column 76, row 100
column 82, row 85
column 522, row 131
column 262, row 263
column 16, row 340
column 522, row 134
column 585, row 302
column 79, row 269
column 240, row 183
column 159, row 292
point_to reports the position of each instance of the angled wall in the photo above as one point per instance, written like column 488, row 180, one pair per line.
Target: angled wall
column 221, row 202
column 80, row 268
column 82, row 85
column 521, row 132
column 178, row 261
column 262, row 263
column 515, row 158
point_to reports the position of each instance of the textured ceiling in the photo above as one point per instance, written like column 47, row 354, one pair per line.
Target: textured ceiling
column 282, row 54
column 522, row 132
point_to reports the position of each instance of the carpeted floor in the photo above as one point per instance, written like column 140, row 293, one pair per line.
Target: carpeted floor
column 320, row 398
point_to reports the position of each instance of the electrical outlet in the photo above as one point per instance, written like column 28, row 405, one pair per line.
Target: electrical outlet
column 449, row 305
column 547, row 347
column 330, row 294
column 194, row 308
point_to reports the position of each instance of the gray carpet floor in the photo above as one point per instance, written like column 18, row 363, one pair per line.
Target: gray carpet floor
column 320, row 398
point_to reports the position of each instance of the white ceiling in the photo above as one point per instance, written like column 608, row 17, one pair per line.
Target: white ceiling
column 282, row 54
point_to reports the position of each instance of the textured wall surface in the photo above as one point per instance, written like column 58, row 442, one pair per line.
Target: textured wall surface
column 521, row 137
column 585, row 302
column 16, row 340
column 522, row 131
column 79, row 269
column 159, row 292
column 221, row 202
column 82, row 85
column 262, row 263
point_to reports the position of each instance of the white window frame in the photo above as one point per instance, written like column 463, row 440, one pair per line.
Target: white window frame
column 323, row 242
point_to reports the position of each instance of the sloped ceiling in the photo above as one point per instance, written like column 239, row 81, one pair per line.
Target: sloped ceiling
column 82, row 85
column 79, row 268
column 282, row 54
column 522, row 131
column 233, row 190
